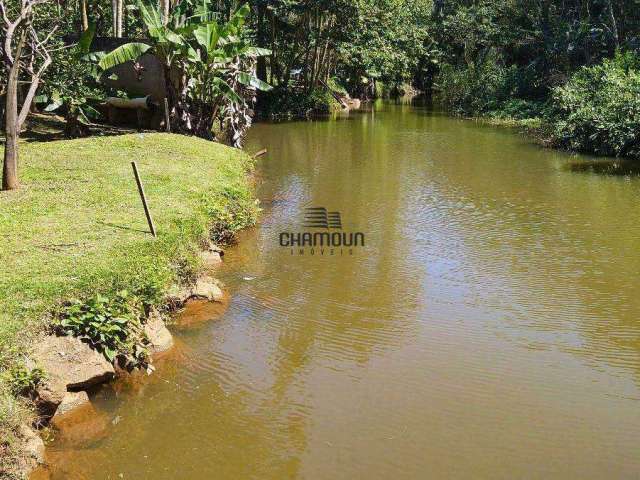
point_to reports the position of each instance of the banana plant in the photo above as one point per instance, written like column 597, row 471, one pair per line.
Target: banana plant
column 208, row 66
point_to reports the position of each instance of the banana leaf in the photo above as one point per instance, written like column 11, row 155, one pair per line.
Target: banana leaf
column 124, row 53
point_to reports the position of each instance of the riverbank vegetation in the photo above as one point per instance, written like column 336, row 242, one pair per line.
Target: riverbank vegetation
column 571, row 65
column 77, row 232
column 205, row 67
column 359, row 48
column 569, row 68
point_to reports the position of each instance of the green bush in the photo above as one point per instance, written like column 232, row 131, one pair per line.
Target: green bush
column 113, row 326
column 334, row 85
column 598, row 110
column 320, row 100
column 518, row 109
column 476, row 90
column 381, row 89
column 284, row 102
column 21, row 380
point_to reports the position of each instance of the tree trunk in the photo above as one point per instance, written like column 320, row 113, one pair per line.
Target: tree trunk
column 273, row 59
column 261, row 70
column 164, row 10
column 10, row 171
column 120, row 11
column 315, row 60
column 114, row 17
column 614, row 24
column 84, row 15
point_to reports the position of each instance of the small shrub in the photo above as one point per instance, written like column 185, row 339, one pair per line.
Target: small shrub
column 21, row 380
column 336, row 87
column 320, row 100
column 598, row 110
column 281, row 102
column 110, row 325
column 381, row 89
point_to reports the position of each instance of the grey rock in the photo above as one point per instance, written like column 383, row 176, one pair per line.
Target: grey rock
column 159, row 336
column 207, row 288
column 71, row 401
column 70, row 365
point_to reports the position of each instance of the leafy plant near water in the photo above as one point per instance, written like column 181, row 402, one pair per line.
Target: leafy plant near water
column 479, row 89
column 282, row 102
column 598, row 110
column 110, row 325
column 21, row 379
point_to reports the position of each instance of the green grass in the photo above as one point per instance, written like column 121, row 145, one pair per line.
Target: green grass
column 76, row 226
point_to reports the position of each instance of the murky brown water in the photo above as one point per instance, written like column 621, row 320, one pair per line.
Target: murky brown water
column 490, row 328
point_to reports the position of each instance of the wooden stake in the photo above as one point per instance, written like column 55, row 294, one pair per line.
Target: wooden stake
column 260, row 153
column 144, row 199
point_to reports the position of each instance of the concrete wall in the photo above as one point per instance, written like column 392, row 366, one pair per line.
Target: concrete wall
column 149, row 81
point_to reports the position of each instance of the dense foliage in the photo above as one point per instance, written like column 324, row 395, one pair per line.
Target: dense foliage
column 524, row 48
column 598, row 110
column 574, row 64
column 358, row 43
column 482, row 57
column 387, row 40
column 207, row 67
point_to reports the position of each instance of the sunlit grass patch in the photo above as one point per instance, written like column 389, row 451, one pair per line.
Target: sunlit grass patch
column 76, row 226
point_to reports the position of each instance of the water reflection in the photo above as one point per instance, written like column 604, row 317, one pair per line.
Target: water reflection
column 489, row 329
column 618, row 166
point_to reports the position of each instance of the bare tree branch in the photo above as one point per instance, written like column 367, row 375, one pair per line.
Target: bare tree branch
column 37, row 47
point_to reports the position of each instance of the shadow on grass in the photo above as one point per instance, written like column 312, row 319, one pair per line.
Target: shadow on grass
column 124, row 227
column 48, row 128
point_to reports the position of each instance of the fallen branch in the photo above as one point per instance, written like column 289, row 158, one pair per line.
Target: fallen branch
column 259, row 153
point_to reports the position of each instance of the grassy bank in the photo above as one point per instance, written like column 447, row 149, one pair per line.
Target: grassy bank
column 76, row 227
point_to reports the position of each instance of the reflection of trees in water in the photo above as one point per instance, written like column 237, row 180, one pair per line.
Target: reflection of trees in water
column 566, row 244
column 345, row 308
column 346, row 300
column 618, row 166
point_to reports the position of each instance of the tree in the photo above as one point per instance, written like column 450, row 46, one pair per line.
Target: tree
column 353, row 40
column 23, row 52
column 206, row 66
column 84, row 15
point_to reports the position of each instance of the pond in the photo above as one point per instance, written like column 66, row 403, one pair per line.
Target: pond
column 488, row 327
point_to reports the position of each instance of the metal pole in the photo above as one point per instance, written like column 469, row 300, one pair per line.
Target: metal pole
column 144, row 199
